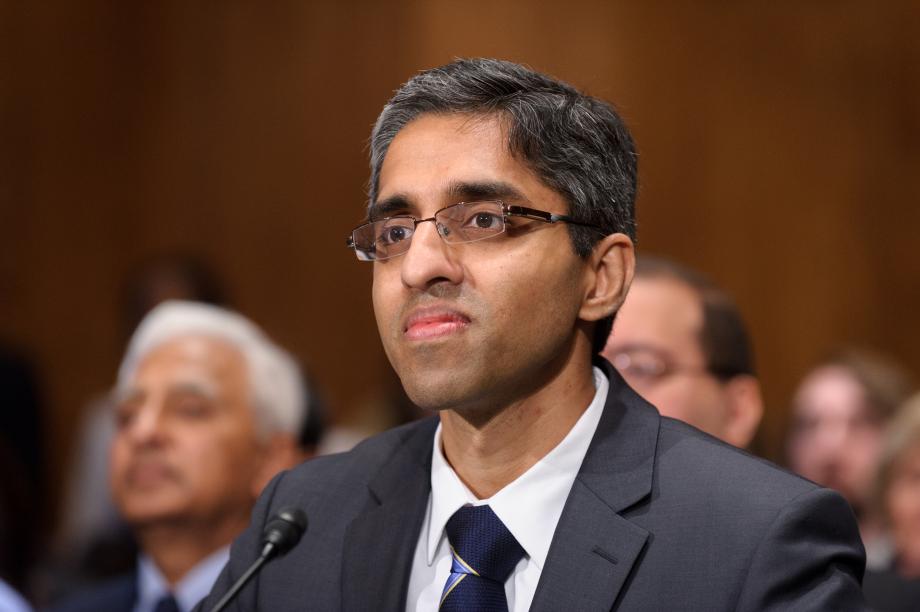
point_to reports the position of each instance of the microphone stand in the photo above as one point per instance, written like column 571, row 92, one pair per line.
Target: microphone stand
column 281, row 533
column 267, row 553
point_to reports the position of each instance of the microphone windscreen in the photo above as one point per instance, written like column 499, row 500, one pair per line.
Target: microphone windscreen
column 285, row 529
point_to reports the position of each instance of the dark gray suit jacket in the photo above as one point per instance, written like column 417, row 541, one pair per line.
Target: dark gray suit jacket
column 661, row 517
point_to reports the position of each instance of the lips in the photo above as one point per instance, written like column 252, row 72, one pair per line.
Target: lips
column 149, row 474
column 434, row 323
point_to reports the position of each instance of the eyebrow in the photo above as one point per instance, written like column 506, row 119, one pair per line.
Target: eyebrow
column 206, row 390
column 203, row 389
column 393, row 205
column 457, row 191
column 484, row 190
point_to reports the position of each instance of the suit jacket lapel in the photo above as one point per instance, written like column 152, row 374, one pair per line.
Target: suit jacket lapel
column 380, row 543
column 594, row 548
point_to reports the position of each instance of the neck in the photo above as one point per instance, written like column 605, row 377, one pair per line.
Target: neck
column 177, row 547
column 488, row 453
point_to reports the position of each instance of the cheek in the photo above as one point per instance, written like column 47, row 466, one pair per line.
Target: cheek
column 679, row 398
column 384, row 300
column 904, row 507
column 117, row 457
column 224, row 455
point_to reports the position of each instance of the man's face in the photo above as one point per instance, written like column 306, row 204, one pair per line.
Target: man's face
column 185, row 446
column 902, row 499
column 656, row 344
column 834, row 439
column 476, row 324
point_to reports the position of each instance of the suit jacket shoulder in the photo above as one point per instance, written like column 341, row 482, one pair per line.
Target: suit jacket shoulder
column 116, row 595
column 773, row 540
column 663, row 516
column 364, row 510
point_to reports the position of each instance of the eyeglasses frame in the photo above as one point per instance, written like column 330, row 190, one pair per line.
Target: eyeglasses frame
column 508, row 210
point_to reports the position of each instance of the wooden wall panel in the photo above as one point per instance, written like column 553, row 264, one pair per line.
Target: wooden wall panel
column 779, row 153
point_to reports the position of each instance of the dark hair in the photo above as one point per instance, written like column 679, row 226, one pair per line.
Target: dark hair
column 724, row 337
column 575, row 143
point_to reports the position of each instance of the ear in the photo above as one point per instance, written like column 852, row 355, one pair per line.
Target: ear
column 280, row 452
column 609, row 270
column 745, row 409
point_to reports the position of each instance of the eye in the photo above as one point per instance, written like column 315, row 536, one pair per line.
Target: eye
column 484, row 220
column 125, row 413
column 392, row 231
column 194, row 409
column 477, row 216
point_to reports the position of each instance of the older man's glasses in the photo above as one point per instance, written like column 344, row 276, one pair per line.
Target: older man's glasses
column 463, row 222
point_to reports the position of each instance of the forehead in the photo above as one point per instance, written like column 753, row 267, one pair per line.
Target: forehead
column 193, row 358
column 831, row 392
column 435, row 153
column 661, row 311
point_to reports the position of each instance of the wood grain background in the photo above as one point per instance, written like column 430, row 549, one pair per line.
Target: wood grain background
column 779, row 142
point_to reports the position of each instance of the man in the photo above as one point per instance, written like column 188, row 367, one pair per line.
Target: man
column 208, row 410
column 681, row 343
column 839, row 414
column 501, row 209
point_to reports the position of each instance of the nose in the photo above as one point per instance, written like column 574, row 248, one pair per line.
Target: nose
column 147, row 427
column 429, row 260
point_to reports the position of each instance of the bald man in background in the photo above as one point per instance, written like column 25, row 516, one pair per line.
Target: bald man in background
column 679, row 341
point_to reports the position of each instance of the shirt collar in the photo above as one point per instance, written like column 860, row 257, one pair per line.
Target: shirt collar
column 531, row 505
column 191, row 589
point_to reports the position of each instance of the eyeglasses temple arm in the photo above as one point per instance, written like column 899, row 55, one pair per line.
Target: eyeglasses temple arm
column 542, row 215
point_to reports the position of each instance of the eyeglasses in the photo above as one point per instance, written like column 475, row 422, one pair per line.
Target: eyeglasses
column 463, row 222
column 645, row 367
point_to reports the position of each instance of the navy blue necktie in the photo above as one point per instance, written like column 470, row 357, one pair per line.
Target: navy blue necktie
column 484, row 555
column 167, row 604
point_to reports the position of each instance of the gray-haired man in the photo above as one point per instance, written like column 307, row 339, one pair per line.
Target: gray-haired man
column 208, row 409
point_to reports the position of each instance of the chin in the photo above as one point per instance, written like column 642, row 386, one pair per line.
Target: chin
column 434, row 392
column 147, row 511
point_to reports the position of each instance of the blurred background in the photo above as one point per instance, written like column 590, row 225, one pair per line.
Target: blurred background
column 779, row 153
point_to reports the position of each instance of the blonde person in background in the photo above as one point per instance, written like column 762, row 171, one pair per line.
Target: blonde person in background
column 896, row 586
column 839, row 414
column 208, row 409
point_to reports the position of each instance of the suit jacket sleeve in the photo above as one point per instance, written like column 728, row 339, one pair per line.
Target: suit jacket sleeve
column 810, row 558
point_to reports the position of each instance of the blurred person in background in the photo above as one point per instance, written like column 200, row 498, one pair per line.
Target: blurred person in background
column 839, row 413
column 23, row 510
column 680, row 341
column 208, row 409
column 92, row 542
column 895, row 586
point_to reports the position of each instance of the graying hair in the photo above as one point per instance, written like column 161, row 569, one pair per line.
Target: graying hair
column 276, row 385
column 577, row 144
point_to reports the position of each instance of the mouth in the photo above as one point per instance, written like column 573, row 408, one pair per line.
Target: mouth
column 434, row 323
column 147, row 475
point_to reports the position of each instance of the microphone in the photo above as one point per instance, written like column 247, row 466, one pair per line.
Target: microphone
column 281, row 533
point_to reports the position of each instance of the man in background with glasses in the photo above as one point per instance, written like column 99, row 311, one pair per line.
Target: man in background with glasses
column 681, row 343
column 500, row 230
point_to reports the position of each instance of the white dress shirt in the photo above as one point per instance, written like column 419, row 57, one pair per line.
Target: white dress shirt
column 192, row 588
column 12, row 601
column 529, row 507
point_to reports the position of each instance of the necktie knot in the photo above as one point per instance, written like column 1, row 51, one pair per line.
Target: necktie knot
column 482, row 541
column 484, row 555
column 167, row 603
